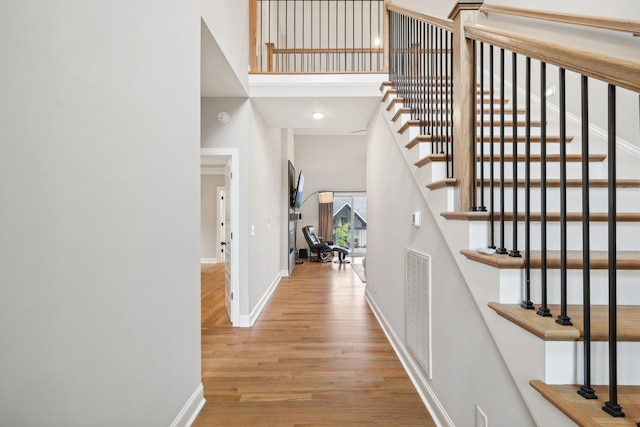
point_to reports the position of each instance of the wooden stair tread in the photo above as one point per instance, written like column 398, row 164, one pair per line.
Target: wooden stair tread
column 418, row 139
column 571, row 183
column 485, row 110
column 384, row 85
column 625, row 260
column 571, row 158
column 447, row 123
column 550, row 157
column 522, row 138
column 443, row 183
column 388, row 92
column 588, row 412
column 536, row 216
column 496, row 140
column 547, row 329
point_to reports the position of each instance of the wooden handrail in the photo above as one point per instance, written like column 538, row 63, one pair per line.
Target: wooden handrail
column 623, row 25
column 447, row 24
column 617, row 71
column 316, row 50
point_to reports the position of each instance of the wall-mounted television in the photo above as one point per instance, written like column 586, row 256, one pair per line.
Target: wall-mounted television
column 298, row 192
column 292, row 183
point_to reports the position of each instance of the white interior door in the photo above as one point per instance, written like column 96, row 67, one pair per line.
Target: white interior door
column 221, row 223
column 228, row 239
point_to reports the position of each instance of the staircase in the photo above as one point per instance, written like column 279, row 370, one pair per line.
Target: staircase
column 550, row 370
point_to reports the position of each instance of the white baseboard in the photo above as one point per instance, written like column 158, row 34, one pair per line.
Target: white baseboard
column 248, row 321
column 430, row 400
column 191, row 409
column 208, row 260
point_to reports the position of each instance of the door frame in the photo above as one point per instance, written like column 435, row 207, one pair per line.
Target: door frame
column 233, row 153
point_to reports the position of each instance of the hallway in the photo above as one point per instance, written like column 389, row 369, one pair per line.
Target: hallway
column 315, row 357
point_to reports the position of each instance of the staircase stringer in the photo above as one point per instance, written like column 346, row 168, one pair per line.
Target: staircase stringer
column 457, row 236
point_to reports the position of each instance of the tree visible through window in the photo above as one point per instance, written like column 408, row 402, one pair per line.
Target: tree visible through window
column 350, row 221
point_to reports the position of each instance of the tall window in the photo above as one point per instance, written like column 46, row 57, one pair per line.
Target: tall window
column 350, row 221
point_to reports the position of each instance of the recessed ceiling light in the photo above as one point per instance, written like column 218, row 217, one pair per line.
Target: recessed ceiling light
column 317, row 116
column 377, row 42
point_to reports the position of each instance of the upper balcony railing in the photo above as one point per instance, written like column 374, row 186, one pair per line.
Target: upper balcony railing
column 317, row 36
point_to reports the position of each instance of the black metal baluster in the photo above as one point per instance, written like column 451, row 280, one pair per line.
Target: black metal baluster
column 259, row 38
column 326, row 66
column 443, row 113
column 450, row 78
column 336, row 58
column 353, row 35
column 502, row 250
column 371, row 44
column 611, row 406
column 269, row 30
column 492, row 225
column 514, row 126
column 474, row 154
column 586, row 390
column 379, row 35
column 345, row 36
column 526, row 302
column 480, row 104
column 423, row 82
column 278, row 30
column 361, row 61
column 543, row 310
column 563, row 318
column 442, row 93
column 286, row 31
column 430, row 88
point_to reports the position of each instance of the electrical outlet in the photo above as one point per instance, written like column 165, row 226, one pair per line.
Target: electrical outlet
column 481, row 418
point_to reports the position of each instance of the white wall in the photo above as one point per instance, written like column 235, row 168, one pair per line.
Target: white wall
column 611, row 43
column 467, row 367
column 266, row 208
column 99, row 179
column 329, row 162
column 230, row 32
column 209, row 241
column 259, row 194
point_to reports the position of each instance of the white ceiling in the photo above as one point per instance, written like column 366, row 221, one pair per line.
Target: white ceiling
column 287, row 101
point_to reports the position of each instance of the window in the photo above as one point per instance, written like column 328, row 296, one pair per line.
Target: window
column 350, row 221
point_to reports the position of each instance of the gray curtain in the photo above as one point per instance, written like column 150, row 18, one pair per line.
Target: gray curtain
column 325, row 223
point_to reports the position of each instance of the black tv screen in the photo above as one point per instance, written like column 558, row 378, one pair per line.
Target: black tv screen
column 299, row 189
column 292, row 189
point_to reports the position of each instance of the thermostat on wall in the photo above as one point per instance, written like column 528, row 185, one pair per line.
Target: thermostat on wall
column 416, row 219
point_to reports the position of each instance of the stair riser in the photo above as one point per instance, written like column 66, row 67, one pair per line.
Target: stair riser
column 564, row 363
column 598, row 236
column 552, row 148
column 574, row 170
column 628, row 199
column 512, row 286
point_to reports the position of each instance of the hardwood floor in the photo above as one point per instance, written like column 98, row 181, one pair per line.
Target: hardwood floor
column 315, row 357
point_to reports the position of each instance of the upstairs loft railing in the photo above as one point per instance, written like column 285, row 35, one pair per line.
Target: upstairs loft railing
column 498, row 87
column 317, row 36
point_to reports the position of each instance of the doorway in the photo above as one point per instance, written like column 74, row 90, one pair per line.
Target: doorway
column 223, row 162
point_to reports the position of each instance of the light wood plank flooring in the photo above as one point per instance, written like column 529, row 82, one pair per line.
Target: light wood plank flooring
column 315, row 357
